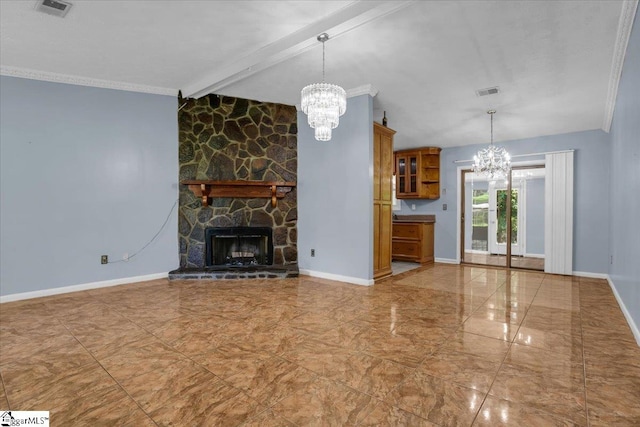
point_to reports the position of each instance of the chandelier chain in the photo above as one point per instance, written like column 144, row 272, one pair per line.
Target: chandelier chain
column 492, row 128
column 323, row 61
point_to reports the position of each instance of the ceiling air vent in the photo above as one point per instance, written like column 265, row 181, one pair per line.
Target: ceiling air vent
column 488, row 91
column 53, row 7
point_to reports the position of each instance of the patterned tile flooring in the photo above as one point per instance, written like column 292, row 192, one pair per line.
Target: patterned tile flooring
column 441, row 345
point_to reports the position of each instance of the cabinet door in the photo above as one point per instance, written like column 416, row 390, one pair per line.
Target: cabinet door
column 386, row 168
column 401, row 171
column 407, row 168
column 412, row 180
column 427, row 243
column 382, row 200
column 384, row 248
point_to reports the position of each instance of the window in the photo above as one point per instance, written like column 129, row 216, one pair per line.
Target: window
column 396, row 203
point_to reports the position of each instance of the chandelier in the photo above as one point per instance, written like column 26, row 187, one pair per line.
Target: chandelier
column 494, row 162
column 323, row 103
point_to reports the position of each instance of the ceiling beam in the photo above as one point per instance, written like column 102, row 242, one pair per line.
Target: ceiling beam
column 346, row 19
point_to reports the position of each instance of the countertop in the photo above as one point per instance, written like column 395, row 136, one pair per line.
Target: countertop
column 414, row 218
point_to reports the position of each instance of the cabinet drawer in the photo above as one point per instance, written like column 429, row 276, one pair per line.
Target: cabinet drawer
column 407, row 231
column 408, row 249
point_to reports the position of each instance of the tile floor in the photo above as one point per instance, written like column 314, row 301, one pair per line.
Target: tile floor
column 399, row 267
column 440, row 345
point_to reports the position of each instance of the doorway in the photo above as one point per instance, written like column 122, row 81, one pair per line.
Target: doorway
column 495, row 212
column 497, row 227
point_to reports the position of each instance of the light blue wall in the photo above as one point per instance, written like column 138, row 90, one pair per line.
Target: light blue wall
column 335, row 194
column 534, row 194
column 84, row 172
column 624, row 195
column 591, row 169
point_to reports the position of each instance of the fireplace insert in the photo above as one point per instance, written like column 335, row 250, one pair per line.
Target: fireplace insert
column 238, row 246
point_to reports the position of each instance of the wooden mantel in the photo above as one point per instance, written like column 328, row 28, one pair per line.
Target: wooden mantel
column 245, row 189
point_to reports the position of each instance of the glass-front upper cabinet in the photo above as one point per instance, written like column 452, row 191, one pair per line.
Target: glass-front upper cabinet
column 418, row 173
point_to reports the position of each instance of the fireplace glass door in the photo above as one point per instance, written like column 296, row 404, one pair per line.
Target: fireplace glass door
column 239, row 246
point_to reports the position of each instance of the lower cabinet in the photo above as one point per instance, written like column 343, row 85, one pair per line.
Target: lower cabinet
column 412, row 241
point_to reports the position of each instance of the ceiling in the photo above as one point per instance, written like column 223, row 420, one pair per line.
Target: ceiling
column 556, row 63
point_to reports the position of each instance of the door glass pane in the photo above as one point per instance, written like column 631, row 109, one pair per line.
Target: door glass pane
column 401, row 167
column 401, row 184
column 414, row 188
column 479, row 222
column 501, row 213
column 414, row 165
column 528, row 248
column 514, row 216
column 480, row 212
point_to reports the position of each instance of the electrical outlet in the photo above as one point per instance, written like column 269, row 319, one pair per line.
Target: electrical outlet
column 313, row 252
column 413, row 206
column 104, row 259
column 444, row 206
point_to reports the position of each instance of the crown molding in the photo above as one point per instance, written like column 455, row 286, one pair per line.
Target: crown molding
column 625, row 24
column 362, row 90
column 46, row 76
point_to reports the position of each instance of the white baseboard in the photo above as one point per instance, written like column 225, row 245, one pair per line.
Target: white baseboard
column 337, row 277
column 81, row 287
column 634, row 328
column 447, row 261
column 534, row 255
column 591, row 275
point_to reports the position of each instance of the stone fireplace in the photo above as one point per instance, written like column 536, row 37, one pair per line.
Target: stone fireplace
column 232, row 139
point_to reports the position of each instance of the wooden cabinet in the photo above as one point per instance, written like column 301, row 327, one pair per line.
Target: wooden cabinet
column 382, row 199
column 413, row 241
column 418, row 173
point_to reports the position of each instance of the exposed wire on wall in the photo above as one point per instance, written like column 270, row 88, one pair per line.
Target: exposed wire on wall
column 152, row 239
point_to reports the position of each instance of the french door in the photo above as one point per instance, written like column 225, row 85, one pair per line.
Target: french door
column 498, row 223
column 502, row 221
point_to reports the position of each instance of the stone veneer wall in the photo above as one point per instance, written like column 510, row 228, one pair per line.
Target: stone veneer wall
column 225, row 138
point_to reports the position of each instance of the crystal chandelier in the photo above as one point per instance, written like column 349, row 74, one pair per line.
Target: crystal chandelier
column 494, row 162
column 323, row 103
